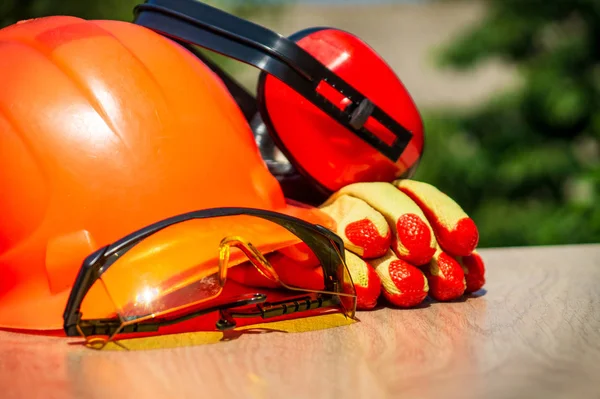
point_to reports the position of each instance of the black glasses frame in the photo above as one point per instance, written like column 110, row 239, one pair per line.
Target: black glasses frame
column 320, row 239
column 193, row 22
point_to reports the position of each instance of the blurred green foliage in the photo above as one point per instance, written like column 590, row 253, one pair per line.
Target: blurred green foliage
column 526, row 164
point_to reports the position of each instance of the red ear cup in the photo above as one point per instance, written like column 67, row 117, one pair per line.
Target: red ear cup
column 318, row 146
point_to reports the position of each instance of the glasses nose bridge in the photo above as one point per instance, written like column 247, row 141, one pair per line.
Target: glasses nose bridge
column 257, row 259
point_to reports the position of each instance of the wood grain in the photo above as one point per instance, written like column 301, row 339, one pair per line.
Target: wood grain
column 533, row 332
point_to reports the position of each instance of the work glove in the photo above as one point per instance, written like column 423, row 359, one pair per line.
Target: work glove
column 404, row 240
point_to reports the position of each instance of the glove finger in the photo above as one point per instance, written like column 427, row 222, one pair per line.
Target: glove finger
column 246, row 274
column 363, row 230
column 446, row 277
column 366, row 282
column 364, row 277
column 403, row 284
column 293, row 273
column 413, row 239
column 474, row 269
column 455, row 231
column 296, row 274
column 301, row 255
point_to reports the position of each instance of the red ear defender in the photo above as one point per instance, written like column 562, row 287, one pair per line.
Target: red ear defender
column 321, row 148
column 329, row 102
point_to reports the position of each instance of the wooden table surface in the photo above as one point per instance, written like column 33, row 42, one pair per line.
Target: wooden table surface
column 534, row 332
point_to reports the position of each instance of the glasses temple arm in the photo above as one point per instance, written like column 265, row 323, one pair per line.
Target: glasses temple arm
column 276, row 309
column 266, row 311
column 110, row 326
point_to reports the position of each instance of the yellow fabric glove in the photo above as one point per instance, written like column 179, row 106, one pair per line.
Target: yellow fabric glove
column 406, row 240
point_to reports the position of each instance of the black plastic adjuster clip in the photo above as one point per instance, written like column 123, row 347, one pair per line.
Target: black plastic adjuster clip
column 360, row 115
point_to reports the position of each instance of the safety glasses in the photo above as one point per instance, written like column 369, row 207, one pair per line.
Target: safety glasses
column 176, row 270
column 333, row 132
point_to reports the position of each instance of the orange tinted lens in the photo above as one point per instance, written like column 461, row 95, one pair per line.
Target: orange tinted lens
column 179, row 266
column 186, row 264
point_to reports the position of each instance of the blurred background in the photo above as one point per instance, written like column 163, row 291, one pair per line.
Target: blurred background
column 509, row 91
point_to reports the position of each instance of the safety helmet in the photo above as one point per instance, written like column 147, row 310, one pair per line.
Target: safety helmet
column 106, row 127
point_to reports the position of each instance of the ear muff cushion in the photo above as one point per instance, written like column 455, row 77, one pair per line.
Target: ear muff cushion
column 321, row 148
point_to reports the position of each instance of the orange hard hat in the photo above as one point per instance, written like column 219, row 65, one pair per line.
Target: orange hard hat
column 106, row 127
